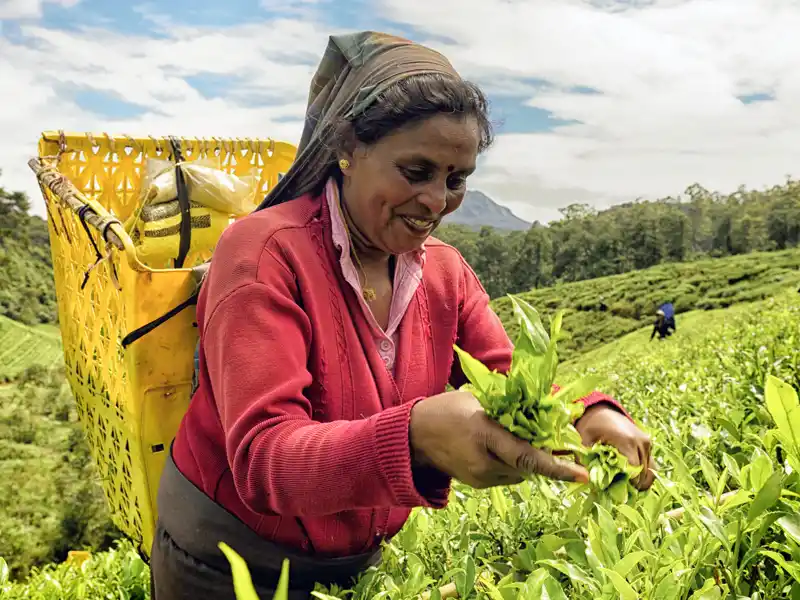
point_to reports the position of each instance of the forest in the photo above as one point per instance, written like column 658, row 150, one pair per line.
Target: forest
column 583, row 244
column 586, row 244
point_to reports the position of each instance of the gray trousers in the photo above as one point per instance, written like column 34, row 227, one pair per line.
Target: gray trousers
column 186, row 563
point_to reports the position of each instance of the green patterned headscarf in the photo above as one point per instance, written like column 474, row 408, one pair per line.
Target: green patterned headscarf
column 355, row 70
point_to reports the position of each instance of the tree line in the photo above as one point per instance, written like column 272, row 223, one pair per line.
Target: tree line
column 587, row 243
column 27, row 290
column 583, row 244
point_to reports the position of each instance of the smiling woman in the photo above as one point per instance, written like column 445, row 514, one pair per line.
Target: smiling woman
column 327, row 324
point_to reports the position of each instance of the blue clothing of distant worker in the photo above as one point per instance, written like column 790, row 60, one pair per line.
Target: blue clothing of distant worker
column 668, row 310
column 665, row 321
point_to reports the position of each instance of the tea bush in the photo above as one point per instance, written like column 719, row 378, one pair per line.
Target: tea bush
column 720, row 522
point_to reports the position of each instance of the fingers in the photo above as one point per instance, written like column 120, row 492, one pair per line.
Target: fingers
column 526, row 459
column 486, row 471
column 499, row 473
column 644, row 457
column 647, row 477
column 538, row 461
column 523, row 459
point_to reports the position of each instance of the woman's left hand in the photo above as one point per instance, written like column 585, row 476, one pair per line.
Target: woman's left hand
column 602, row 423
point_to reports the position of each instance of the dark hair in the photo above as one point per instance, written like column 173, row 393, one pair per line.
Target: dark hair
column 417, row 98
column 410, row 100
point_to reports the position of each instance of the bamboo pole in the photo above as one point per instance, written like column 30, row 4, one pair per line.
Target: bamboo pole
column 63, row 188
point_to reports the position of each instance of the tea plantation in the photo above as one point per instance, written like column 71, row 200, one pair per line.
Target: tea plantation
column 722, row 520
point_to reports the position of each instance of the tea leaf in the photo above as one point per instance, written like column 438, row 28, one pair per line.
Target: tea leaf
column 667, row 588
column 574, row 572
column 766, row 498
column 709, row 472
column 783, row 406
column 465, row 577
column 541, row 586
column 498, row 501
column 790, row 525
column 714, row 526
column 626, row 592
column 628, row 562
column 709, row 591
column 791, row 569
column 242, row 582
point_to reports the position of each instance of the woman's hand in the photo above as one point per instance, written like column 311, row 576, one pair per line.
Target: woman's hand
column 452, row 433
column 602, row 423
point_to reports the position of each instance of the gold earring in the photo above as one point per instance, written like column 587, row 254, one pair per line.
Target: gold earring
column 344, row 164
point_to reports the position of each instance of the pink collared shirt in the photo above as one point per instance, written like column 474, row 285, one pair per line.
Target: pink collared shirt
column 407, row 277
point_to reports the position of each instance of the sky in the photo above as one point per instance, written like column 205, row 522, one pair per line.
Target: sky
column 594, row 101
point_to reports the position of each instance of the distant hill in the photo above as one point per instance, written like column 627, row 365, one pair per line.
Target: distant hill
column 631, row 299
column 478, row 210
column 22, row 346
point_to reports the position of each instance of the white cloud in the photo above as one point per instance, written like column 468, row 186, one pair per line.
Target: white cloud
column 670, row 72
column 301, row 9
column 28, row 9
column 275, row 61
column 282, row 4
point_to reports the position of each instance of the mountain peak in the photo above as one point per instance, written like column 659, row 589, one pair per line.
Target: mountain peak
column 478, row 210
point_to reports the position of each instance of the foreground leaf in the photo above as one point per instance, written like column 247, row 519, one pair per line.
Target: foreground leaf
column 766, row 498
column 242, row 582
column 783, row 406
column 791, row 526
column 626, row 592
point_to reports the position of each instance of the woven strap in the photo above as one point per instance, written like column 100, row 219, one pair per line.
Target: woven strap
column 198, row 274
column 183, row 201
column 145, row 329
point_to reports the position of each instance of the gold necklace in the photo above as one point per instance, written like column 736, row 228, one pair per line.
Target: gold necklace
column 368, row 292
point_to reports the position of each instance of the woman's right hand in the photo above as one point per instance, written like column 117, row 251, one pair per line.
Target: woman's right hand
column 452, row 433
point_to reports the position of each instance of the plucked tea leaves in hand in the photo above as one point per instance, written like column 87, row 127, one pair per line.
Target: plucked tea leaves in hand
column 526, row 403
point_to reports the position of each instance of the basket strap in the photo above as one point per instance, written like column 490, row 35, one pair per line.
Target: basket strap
column 199, row 273
column 183, row 201
column 145, row 329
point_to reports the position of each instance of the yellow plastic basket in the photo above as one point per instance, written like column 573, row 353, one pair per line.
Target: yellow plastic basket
column 130, row 399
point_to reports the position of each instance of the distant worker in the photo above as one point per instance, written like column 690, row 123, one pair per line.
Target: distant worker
column 603, row 305
column 665, row 321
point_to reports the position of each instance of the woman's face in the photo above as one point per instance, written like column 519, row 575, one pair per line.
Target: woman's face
column 398, row 189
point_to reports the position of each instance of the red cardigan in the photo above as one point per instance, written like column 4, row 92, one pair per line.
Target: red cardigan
column 297, row 427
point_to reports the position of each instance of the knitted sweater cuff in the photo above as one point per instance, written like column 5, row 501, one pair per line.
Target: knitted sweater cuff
column 410, row 487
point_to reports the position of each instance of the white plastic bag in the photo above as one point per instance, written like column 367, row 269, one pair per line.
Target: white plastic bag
column 206, row 184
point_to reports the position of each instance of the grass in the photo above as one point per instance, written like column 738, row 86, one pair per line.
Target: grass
column 632, row 298
column 23, row 346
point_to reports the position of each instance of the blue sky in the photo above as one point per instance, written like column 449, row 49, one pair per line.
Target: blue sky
column 597, row 101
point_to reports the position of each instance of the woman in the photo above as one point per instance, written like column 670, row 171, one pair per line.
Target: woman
column 327, row 322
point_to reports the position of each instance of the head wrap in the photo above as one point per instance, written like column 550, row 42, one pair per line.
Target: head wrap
column 354, row 71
